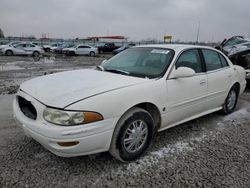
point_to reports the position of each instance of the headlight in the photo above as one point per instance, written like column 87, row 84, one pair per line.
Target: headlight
column 61, row 117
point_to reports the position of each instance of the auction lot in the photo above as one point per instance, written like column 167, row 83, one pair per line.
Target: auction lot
column 212, row 151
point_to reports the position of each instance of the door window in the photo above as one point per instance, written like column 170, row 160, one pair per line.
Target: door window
column 223, row 61
column 212, row 60
column 190, row 59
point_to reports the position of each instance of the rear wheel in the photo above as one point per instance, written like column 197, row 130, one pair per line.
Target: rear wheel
column 231, row 100
column 92, row 54
column 9, row 53
column 133, row 135
column 36, row 53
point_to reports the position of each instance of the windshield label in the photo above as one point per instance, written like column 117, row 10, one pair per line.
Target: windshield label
column 158, row 51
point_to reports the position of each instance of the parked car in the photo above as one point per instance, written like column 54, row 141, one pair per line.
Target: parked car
column 52, row 46
column 237, row 48
column 107, row 47
column 24, row 48
column 119, row 105
column 81, row 49
column 7, row 45
column 118, row 50
column 60, row 49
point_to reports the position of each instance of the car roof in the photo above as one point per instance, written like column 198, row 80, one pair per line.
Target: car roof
column 175, row 47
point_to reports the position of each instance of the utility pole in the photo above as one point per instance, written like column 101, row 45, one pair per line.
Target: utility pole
column 198, row 33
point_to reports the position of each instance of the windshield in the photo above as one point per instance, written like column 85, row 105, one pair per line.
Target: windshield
column 143, row 62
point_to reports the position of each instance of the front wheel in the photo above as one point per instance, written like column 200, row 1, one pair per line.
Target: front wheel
column 133, row 135
column 72, row 53
column 231, row 100
column 9, row 53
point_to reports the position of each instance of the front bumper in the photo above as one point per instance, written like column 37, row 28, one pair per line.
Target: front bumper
column 93, row 137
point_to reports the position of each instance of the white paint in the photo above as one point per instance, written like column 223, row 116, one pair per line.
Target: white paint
column 112, row 95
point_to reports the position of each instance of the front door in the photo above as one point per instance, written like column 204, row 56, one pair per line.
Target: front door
column 186, row 96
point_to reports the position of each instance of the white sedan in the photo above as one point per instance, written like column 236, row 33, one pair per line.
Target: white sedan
column 119, row 105
column 81, row 50
column 24, row 48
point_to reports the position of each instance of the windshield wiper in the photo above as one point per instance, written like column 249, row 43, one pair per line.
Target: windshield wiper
column 99, row 67
column 117, row 71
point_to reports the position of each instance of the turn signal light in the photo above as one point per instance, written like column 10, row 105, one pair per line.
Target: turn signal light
column 68, row 144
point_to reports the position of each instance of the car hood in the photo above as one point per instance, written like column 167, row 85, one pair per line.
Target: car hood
column 62, row 89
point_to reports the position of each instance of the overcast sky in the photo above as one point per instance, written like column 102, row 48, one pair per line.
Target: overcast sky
column 136, row 19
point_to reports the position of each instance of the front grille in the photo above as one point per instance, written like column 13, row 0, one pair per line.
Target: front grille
column 27, row 108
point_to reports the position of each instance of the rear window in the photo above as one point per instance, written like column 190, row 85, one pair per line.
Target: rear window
column 223, row 61
column 212, row 60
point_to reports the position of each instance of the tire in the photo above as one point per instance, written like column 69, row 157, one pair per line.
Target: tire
column 92, row 54
column 36, row 54
column 72, row 53
column 47, row 49
column 9, row 53
column 133, row 135
column 231, row 100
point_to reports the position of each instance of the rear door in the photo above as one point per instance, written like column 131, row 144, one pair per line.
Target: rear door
column 186, row 96
column 29, row 48
column 219, row 75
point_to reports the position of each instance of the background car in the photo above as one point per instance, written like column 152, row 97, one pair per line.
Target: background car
column 237, row 48
column 81, row 49
column 118, row 50
column 23, row 49
column 121, row 104
column 52, row 46
column 107, row 47
column 59, row 49
column 7, row 45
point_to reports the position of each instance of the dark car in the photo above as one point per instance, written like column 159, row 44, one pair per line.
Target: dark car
column 107, row 47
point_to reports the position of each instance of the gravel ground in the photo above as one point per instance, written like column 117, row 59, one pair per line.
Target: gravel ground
column 212, row 151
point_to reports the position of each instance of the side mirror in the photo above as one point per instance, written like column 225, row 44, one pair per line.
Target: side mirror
column 182, row 72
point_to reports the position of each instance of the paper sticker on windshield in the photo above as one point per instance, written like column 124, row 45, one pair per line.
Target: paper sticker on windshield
column 160, row 51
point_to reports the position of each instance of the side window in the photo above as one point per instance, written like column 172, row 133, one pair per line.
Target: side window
column 30, row 45
column 212, row 60
column 223, row 61
column 190, row 59
column 19, row 46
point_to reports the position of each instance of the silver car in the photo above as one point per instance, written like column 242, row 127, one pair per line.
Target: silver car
column 23, row 49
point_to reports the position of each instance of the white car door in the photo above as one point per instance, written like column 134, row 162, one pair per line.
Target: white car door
column 19, row 49
column 219, row 75
column 29, row 48
column 186, row 96
column 79, row 50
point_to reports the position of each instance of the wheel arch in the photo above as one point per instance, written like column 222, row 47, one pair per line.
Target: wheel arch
column 237, row 85
column 153, row 110
column 10, row 50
